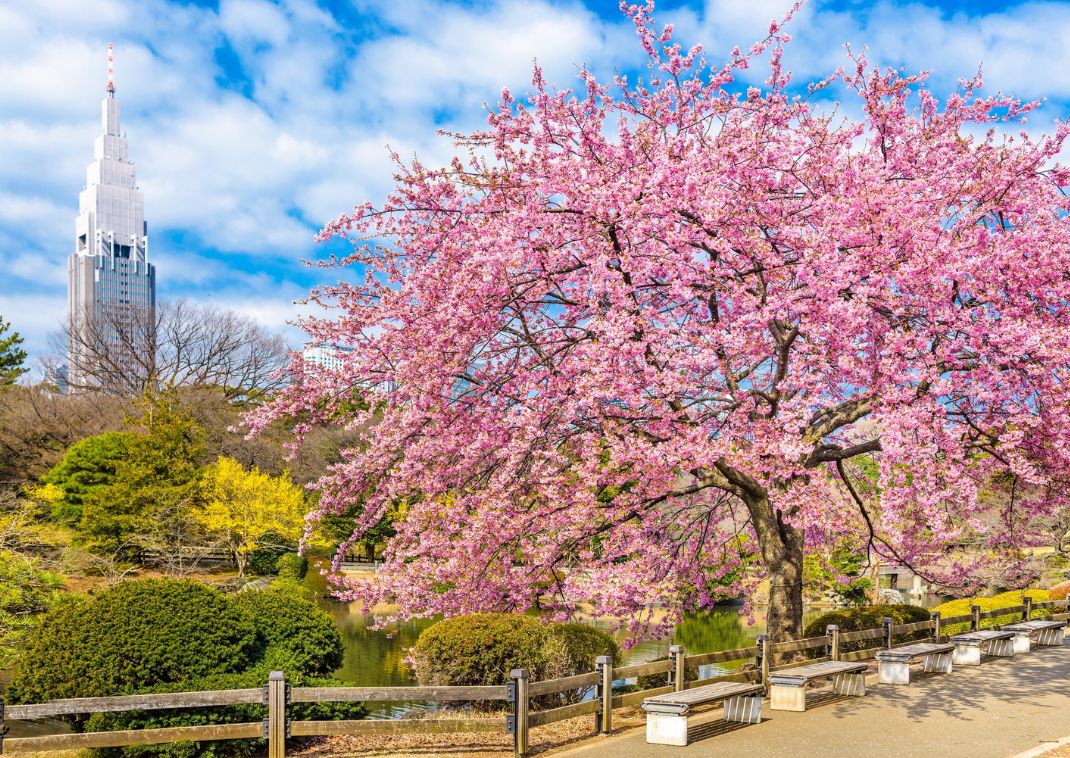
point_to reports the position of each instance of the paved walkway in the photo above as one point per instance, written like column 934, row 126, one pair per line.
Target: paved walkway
column 996, row 710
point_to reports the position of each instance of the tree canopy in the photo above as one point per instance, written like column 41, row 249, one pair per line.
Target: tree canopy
column 240, row 506
column 86, row 466
column 632, row 322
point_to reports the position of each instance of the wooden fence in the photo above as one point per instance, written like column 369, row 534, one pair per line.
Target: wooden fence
column 517, row 695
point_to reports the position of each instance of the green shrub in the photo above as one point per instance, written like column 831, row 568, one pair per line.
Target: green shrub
column 868, row 617
column 293, row 635
column 1009, row 599
column 482, row 648
column 26, row 591
column 573, row 648
column 172, row 636
column 292, row 566
column 264, row 559
column 133, row 636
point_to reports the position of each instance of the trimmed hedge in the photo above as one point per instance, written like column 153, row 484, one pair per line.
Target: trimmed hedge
column 868, row 617
column 482, row 648
column 291, row 566
column 173, row 636
column 1009, row 599
column 131, row 637
column 293, row 635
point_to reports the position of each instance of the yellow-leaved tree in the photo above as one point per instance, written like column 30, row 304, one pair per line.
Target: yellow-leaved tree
column 241, row 505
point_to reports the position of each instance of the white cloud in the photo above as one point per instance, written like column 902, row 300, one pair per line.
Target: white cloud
column 246, row 172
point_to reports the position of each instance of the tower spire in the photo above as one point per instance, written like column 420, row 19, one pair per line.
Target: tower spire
column 111, row 68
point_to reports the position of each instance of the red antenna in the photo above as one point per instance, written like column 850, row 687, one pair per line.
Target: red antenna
column 111, row 69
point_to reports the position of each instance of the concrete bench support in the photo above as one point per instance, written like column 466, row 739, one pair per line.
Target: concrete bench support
column 938, row 663
column 893, row 665
column 787, row 697
column 968, row 651
column 849, row 684
column 666, row 729
column 666, row 715
column 1047, row 633
column 1021, row 642
column 744, row 710
column 1052, row 637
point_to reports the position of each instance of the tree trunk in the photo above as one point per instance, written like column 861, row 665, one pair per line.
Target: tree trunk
column 241, row 560
column 782, row 553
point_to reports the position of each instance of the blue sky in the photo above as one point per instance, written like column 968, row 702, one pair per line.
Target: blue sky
column 253, row 122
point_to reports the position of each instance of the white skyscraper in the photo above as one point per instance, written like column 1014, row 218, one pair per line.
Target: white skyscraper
column 111, row 284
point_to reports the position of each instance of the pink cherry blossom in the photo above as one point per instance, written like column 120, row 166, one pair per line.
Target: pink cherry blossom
column 642, row 345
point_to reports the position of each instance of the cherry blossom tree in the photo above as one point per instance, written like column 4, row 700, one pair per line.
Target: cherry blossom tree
column 642, row 345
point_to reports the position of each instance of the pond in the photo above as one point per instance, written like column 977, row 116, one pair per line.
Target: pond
column 377, row 658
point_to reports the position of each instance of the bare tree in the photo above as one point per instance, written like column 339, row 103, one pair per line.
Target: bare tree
column 38, row 424
column 177, row 344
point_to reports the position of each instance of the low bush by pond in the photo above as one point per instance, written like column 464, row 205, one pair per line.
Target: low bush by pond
column 159, row 635
column 868, row 617
column 482, row 648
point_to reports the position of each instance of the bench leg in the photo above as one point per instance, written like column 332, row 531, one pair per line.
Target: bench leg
column 849, row 684
column 1050, row 637
column 745, row 710
column 966, row 655
column 893, row 672
column 785, row 697
column 937, row 663
column 1021, row 642
column 666, row 729
column 1001, row 648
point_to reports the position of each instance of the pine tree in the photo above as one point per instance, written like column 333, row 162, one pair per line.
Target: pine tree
column 12, row 356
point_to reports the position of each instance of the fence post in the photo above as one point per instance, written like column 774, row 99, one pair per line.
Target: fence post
column 975, row 620
column 520, row 711
column 276, row 726
column 3, row 727
column 935, row 618
column 604, row 717
column 679, row 668
column 886, row 625
column 1028, row 602
column 833, row 632
column 763, row 659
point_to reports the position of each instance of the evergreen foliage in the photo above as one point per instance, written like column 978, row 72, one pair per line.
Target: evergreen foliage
column 482, row 648
column 174, row 636
column 12, row 357
column 26, row 590
column 87, row 466
column 868, row 617
column 156, row 483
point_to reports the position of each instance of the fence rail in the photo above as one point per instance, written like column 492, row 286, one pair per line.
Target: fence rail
column 517, row 695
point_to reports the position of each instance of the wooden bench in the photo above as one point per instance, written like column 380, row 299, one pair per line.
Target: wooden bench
column 666, row 715
column 893, row 666
column 968, row 646
column 1048, row 633
column 787, row 689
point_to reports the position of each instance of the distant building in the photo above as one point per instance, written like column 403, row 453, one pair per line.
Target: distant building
column 330, row 357
column 111, row 285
